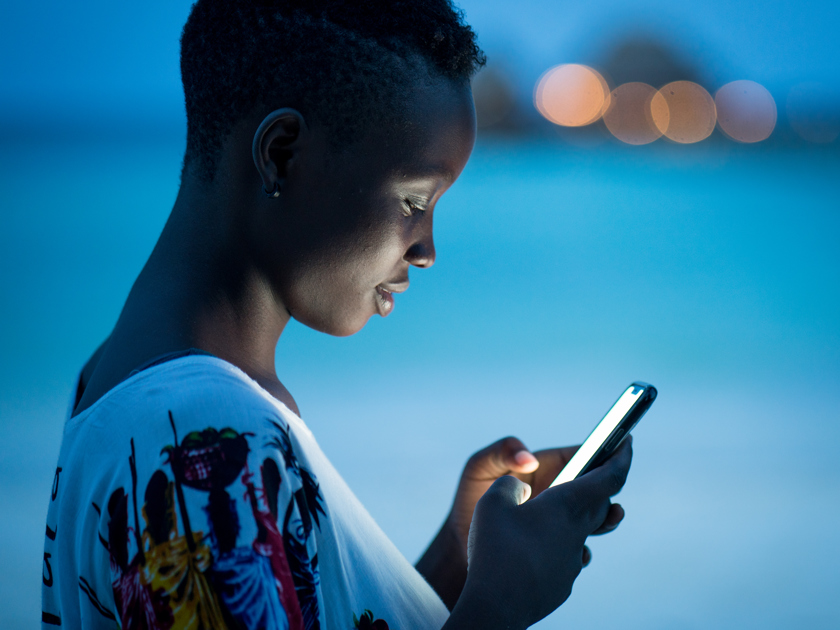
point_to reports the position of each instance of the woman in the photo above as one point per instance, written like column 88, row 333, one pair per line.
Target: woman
column 188, row 492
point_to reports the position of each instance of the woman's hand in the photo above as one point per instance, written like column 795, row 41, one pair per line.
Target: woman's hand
column 509, row 456
column 524, row 555
column 505, row 457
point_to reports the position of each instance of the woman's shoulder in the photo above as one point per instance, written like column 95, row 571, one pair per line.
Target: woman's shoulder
column 195, row 390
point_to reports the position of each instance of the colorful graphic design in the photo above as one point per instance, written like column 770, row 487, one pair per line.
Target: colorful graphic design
column 308, row 502
column 214, row 578
column 367, row 622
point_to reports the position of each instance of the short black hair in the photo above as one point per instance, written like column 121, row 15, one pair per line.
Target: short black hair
column 345, row 63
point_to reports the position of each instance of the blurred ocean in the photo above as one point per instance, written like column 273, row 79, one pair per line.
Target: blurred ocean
column 711, row 271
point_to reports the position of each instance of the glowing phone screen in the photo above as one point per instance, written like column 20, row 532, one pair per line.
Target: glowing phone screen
column 588, row 449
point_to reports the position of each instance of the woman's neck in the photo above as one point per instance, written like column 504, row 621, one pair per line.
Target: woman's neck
column 197, row 290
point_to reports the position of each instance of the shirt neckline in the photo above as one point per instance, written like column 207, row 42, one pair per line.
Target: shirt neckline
column 146, row 371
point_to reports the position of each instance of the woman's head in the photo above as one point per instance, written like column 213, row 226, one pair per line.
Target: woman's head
column 358, row 115
column 344, row 64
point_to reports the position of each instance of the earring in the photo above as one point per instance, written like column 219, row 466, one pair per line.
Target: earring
column 274, row 192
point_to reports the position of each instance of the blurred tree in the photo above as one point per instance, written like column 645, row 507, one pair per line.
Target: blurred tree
column 496, row 105
column 643, row 57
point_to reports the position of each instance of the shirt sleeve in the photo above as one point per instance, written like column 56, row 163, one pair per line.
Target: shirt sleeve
column 212, row 525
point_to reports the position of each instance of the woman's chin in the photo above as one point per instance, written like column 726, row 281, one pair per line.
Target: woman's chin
column 344, row 325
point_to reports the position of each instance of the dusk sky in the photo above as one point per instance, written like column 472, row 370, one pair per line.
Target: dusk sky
column 121, row 59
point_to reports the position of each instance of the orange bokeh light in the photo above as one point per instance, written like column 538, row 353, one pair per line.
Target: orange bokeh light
column 691, row 112
column 632, row 110
column 571, row 95
column 746, row 111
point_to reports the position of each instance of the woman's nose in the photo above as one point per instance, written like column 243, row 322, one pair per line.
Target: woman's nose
column 421, row 253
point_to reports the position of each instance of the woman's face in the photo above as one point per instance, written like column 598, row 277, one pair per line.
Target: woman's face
column 355, row 221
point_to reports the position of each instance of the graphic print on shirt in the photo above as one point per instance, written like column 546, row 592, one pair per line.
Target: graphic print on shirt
column 182, row 578
column 368, row 622
column 309, row 502
column 49, row 617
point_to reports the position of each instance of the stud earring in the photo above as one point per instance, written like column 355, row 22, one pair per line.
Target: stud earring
column 274, row 192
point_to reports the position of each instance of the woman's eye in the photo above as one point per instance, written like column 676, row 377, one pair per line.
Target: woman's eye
column 410, row 209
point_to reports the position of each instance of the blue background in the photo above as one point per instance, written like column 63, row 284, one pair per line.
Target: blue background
column 563, row 273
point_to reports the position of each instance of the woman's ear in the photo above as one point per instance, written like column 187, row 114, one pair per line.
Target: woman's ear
column 277, row 138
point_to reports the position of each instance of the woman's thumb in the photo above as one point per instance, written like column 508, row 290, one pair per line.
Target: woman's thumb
column 506, row 492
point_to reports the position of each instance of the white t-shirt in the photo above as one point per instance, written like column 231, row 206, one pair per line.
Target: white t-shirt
column 189, row 497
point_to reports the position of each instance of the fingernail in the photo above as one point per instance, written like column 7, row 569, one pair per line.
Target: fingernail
column 524, row 458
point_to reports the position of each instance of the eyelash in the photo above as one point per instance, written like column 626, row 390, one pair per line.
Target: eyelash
column 411, row 208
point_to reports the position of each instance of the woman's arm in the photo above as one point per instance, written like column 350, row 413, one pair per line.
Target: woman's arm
column 444, row 565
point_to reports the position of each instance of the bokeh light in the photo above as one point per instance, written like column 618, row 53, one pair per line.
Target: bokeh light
column 632, row 109
column 572, row 95
column 691, row 112
column 746, row 111
column 814, row 112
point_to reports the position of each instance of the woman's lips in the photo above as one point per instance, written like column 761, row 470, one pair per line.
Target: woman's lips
column 385, row 297
column 384, row 301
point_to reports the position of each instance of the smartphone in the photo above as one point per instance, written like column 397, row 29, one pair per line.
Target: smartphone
column 610, row 432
